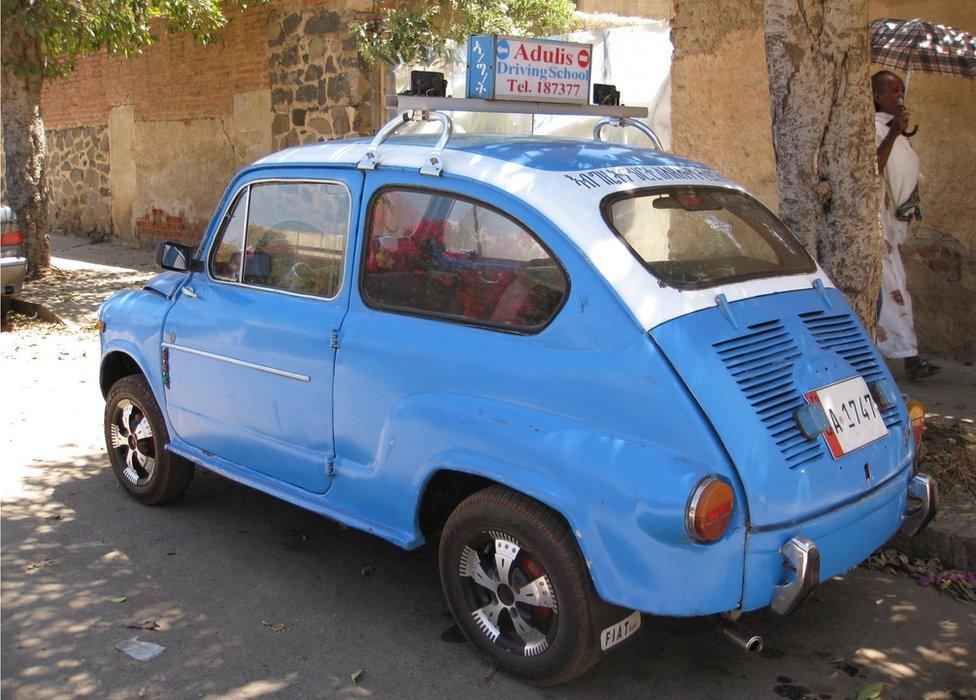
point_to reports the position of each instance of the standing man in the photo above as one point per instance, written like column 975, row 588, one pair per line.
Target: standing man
column 898, row 164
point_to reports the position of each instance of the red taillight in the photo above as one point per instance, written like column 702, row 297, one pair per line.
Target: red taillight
column 12, row 238
column 709, row 509
column 916, row 418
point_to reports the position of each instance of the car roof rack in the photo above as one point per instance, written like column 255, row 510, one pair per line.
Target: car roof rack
column 422, row 108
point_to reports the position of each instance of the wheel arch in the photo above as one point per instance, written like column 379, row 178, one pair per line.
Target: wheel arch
column 115, row 365
column 446, row 488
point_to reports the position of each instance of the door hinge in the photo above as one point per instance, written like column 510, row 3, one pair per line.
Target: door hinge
column 330, row 467
column 335, row 340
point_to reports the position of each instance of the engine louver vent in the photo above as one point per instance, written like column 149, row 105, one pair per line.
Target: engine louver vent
column 761, row 363
column 841, row 334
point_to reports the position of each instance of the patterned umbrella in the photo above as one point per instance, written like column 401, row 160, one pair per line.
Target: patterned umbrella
column 915, row 45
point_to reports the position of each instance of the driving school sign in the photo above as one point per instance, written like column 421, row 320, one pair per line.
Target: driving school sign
column 537, row 70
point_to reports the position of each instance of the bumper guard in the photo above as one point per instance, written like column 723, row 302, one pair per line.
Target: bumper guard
column 923, row 503
column 802, row 558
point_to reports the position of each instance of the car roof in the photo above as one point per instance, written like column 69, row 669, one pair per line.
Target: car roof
column 547, row 153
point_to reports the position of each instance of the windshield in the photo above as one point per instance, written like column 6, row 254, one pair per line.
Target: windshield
column 694, row 237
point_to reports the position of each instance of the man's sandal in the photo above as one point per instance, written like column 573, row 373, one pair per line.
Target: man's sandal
column 922, row 369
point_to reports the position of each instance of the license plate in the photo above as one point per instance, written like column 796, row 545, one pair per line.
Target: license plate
column 855, row 419
column 614, row 634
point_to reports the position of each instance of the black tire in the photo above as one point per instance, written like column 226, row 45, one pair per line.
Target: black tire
column 147, row 472
column 492, row 521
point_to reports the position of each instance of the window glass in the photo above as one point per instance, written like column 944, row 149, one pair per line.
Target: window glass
column 296, row 237
column 439, row 255
column 694, row 237
column 225, row 264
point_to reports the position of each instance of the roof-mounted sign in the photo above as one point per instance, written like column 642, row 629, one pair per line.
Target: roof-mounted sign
column 536, row 70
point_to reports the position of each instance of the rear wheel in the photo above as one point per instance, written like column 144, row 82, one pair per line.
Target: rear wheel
column 516, row 585
column 136, row 437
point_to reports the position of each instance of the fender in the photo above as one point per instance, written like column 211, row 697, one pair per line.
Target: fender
column 133, row 321
column 626, row 507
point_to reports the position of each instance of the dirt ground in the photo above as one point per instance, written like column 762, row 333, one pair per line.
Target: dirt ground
column 255, row 598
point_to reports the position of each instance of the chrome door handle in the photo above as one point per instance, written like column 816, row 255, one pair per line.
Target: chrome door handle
column 188, row 290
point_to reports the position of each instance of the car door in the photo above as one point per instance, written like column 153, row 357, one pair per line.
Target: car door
column 250, row 341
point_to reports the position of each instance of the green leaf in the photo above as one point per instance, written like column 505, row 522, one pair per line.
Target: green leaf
column 870, row 691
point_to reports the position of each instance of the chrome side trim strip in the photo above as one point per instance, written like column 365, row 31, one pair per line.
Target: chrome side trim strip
column 242, row 363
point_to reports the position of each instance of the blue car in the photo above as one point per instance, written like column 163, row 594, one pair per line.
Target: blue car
column 607, row 382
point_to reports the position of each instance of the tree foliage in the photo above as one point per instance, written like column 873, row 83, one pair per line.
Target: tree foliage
column 41, row 39
column 45, row 37
column 420, row 32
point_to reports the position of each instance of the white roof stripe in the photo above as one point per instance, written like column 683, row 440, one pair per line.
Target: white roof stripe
column 575, row 209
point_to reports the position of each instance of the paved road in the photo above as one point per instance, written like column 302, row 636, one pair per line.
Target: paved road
column 216, row 569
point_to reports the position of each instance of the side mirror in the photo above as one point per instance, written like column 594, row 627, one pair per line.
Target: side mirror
column 174, row 256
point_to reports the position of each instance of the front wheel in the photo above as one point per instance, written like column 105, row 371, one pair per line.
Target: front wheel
column 136, row 438
column 516, row 586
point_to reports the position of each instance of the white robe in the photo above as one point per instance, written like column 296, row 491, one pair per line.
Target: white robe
column 896, row 326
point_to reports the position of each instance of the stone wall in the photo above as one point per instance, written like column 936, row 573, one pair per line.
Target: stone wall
column 319, row 89
column 78, row 178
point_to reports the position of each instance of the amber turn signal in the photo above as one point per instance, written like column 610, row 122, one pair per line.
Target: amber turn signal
column 916, row 418
column 709, row 509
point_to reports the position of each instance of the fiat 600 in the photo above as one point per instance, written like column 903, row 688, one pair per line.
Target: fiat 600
column 590, row 372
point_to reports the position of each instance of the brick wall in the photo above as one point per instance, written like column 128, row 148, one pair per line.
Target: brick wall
column 176, row 78
column 163, row 132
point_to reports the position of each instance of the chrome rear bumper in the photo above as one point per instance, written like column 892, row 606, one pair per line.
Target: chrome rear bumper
column 801, row 558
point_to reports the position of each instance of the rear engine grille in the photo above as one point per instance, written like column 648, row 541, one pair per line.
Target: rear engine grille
column 761, row 363
column 841, row 334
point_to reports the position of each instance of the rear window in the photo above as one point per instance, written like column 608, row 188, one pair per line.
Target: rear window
column 438, row 255
column 693, row 237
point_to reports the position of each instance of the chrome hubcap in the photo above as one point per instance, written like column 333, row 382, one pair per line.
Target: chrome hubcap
column 510, row 595
column 132, row 439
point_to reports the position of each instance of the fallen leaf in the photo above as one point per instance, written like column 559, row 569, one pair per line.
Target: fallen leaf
column 143, row 691
column 150, row 625
column 275, row 626
column 356, row 675
column 39, row 564
column 490, row 673
column 366, row 571
column 870, row 691
column 120, row 599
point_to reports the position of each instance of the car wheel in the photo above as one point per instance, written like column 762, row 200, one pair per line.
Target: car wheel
column 516, row 585
column 136, row 437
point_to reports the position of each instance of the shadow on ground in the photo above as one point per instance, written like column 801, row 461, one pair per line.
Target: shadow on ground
column 219, row 569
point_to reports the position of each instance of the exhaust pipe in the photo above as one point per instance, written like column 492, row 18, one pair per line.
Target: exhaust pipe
column 734, row 632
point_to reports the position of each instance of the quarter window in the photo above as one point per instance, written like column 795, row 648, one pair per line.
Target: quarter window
column 295, row 238
column 226, row 261
column 438, row 255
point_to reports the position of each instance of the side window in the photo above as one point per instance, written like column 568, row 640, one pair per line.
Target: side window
column 225, row 264
column 296, row 237
column 438, row 255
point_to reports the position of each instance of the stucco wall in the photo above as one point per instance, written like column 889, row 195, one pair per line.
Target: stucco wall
column 720, row 114
column 720, row 92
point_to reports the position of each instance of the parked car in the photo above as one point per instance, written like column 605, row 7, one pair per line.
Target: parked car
column 609, row 379
column 13, row 258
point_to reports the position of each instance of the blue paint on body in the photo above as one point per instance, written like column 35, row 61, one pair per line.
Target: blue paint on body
column 607, row 424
